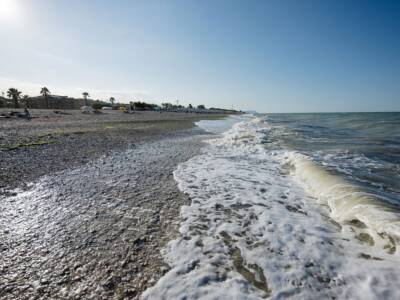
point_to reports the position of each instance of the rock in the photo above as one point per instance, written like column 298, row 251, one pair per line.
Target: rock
column 109, row 283
column 130, row 292
column 164, row 269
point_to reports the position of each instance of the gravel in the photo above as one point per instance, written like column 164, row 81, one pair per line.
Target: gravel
column 85, row 217
column 52, row 142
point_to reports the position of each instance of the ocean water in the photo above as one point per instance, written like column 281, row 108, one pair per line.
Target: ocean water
column 301, row 206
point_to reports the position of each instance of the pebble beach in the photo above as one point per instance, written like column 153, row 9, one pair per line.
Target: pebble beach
column 88, row 201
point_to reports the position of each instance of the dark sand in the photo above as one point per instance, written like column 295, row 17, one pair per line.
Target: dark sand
column 93, row 227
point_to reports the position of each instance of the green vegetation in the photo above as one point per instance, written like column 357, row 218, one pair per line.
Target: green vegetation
column 85, row 96
column 99, row 104
column 56, row 133
column 25, row 100
column 144, row 106
column 15, row 95
column 45, row 92
column 47, row 100
column 3, row 102
column 31, row 144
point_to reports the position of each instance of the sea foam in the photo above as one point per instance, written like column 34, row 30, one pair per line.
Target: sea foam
column 348, row 203
column 252, row 231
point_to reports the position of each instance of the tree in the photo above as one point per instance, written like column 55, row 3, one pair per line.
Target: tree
column 85, row 96
column 166, row 105
column 201, row 106
column 112, row 101
column 15, row 95
column 45, row 92
column 97, row 104
column 144, row 106
column 25, row 100
column 190, row 106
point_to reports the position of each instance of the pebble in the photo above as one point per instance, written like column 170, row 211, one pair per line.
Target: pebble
column 95, row 257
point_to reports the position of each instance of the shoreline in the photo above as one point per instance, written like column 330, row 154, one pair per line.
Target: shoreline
column 52, row 142
column 93, row 226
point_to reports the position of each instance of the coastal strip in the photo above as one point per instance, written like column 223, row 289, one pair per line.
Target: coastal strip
column 101, row 203
column 53, row 142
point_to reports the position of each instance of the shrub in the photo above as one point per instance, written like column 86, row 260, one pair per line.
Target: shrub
column 98, row 104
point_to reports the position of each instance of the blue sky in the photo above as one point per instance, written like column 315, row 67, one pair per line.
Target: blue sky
column 269, row 56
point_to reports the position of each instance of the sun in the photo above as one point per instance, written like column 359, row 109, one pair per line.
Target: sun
column 9, row 9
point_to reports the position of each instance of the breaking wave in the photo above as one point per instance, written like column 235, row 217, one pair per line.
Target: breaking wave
column 348, row 203
column 267, row 221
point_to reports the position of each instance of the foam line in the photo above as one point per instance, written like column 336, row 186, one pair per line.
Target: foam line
column 347, row 202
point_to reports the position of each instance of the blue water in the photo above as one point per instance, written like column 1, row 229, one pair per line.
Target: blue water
column 362, row 147
column 290, row 206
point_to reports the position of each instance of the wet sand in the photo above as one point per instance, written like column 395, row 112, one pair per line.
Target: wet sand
column 93, row 226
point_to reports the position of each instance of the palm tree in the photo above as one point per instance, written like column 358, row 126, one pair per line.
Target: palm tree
column 45, row 92
column 25, row 100
column 14, row 94
column 85, row 96
column 112, row 101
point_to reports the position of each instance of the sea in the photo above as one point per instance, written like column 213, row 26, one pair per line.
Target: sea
column 289, row 206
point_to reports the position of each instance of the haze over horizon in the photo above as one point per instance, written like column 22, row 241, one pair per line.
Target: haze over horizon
column 268, row 56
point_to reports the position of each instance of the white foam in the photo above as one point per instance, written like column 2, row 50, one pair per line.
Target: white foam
column 346, row 201
column 252, row 231
column 220, row 126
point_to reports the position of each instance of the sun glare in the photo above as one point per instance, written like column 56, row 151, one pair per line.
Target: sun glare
column 9, row 9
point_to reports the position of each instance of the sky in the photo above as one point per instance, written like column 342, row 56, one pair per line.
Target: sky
column 268, row 56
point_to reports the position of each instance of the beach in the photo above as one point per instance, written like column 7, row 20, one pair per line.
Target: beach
column 149, row 206
column 289, row 206
column 52, row 141
column 199, row 150
column 88, row 201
